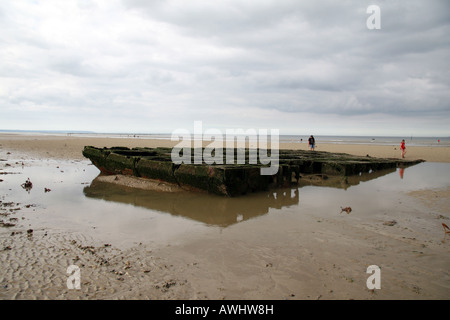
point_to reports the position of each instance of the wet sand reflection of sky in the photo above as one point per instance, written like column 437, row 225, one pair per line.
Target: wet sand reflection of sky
column 78, row 202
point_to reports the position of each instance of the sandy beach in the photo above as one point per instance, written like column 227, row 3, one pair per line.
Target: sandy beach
column 70, row 147
column 304, row 251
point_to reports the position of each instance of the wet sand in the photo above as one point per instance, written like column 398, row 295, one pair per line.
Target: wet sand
column 307, row 250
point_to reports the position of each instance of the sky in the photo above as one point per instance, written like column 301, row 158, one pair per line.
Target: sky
column 303, row 67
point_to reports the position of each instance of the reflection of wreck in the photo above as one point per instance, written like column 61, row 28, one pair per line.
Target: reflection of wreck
column 343, row 182
column 217, row 210
column 234, row 179
column 206, row 208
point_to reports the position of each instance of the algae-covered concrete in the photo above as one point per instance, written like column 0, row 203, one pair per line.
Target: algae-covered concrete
column 234, row 179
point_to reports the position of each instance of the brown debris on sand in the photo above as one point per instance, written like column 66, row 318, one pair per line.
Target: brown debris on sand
column 346, row 209
column 27, row 185
column 7, row 224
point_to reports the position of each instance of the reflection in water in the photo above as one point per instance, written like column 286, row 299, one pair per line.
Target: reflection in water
column 219, row 210
column 401, row 171
column 341, row 182
column 206, row 208
column 125, row 215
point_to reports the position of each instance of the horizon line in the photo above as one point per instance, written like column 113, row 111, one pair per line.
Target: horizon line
column 169, row 133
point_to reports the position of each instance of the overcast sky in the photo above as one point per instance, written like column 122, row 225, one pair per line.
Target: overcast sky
column 304, row 67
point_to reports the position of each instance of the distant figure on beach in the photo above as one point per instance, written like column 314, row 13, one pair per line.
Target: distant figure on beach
column 403, row 148
column 312, row 143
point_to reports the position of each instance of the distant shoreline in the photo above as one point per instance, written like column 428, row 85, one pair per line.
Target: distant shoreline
column 70, row 147
column 320, row 139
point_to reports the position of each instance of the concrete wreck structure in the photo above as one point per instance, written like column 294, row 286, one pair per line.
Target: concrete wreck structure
column 234, row 179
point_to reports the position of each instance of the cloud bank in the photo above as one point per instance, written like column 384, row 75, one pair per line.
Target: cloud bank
column 154, row 66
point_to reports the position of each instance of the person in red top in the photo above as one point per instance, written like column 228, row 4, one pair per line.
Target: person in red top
column 403, row 148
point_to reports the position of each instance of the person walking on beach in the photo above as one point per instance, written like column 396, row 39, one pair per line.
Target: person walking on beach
column 403, row 148
column 312, row 143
